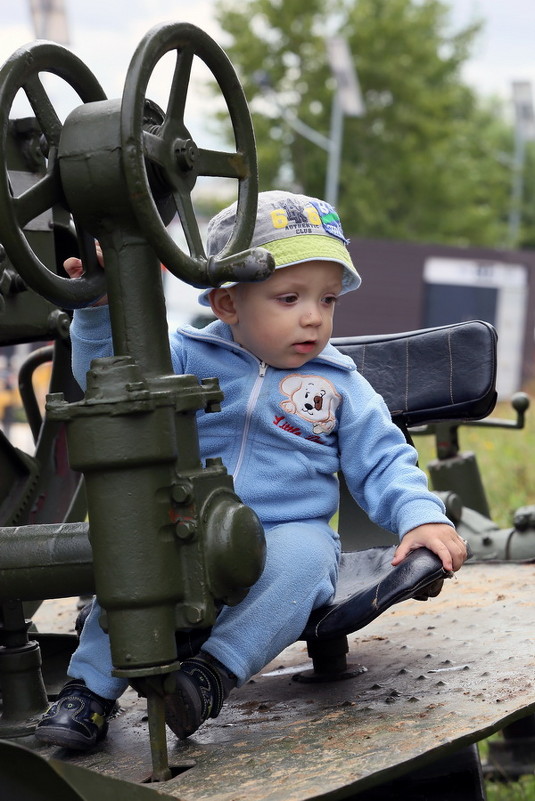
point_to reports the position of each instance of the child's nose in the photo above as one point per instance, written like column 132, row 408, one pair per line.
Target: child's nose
column 312, row 315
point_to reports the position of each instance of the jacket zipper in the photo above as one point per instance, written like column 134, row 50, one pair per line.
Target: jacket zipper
column 251, row 404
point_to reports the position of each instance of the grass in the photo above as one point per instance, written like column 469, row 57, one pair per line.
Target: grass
column 507, row 467
column 523, row 790
column 505, row 459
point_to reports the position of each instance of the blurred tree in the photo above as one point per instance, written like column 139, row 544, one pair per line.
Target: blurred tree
column 429, row 161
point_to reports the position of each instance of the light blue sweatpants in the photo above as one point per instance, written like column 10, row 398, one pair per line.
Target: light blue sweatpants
column 300, row 575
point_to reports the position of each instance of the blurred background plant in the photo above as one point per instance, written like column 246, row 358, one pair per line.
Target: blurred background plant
column 505, row 459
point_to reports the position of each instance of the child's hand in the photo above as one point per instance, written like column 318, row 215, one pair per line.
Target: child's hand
column 75, row 269
column 439, row 538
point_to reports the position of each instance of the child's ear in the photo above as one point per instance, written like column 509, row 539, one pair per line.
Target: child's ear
column 223, row 305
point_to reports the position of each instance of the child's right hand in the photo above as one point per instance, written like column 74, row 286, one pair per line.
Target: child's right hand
column 75, row 269
column 440, row 538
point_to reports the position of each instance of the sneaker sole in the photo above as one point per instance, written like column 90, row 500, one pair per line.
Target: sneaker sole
column 65, row 739
column 180, row 715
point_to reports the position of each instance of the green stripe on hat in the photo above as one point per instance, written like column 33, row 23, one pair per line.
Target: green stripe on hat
column 314, row 247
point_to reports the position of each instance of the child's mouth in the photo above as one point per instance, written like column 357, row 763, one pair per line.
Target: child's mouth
column 304, row 347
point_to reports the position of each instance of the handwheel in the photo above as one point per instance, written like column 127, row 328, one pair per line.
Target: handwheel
column 168, row 154
column 21, row 71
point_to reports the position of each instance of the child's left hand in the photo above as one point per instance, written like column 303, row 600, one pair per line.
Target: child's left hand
column 439, row 538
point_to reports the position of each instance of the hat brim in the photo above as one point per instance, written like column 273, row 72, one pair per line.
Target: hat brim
column 301, row 248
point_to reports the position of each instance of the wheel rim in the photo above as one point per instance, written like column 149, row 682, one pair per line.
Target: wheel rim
column 21, row 71
column 177, row 155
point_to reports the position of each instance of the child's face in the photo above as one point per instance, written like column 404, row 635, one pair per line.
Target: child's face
column 287, row 320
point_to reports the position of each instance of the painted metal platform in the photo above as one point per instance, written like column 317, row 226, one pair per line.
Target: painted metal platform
column 440, row 675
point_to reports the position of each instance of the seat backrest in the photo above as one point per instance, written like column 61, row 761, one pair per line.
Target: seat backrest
column 426, row 376
column 431, row 375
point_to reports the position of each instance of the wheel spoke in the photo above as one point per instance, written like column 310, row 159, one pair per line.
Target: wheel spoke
column 36, row 200
column 43, row 109
column 154, row 148
column 174, row 118
column 225, row 165
column 187, row 217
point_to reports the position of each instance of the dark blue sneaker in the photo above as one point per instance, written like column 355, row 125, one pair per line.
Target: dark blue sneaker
column 195, row 693
column 192, row 694
column 77, row 720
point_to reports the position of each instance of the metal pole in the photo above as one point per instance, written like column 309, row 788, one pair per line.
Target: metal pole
column 524, row 132
column 347, row 101
column 332, row 177
column 517, row 189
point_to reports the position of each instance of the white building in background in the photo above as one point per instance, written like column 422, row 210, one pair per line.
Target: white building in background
column 499, row 292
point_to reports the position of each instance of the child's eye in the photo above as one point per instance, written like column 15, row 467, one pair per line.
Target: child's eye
column 330, row 299
column 287, row 299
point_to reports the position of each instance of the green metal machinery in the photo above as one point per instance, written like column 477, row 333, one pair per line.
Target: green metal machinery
column 160, row 521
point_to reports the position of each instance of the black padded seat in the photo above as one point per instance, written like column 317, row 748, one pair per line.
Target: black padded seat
column 369, row 584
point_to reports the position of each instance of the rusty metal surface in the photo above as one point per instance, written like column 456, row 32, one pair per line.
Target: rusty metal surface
column 441, row 674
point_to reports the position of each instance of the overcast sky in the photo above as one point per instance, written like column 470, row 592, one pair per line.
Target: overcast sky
column 505, row 50
column 104, row 33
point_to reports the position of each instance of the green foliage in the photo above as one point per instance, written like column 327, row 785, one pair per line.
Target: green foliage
column 429, row 161
column 523, row 790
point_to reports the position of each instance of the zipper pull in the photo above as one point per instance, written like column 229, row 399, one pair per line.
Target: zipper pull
column 262, row 369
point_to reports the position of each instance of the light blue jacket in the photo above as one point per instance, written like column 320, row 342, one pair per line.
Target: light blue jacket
column 285, row 434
